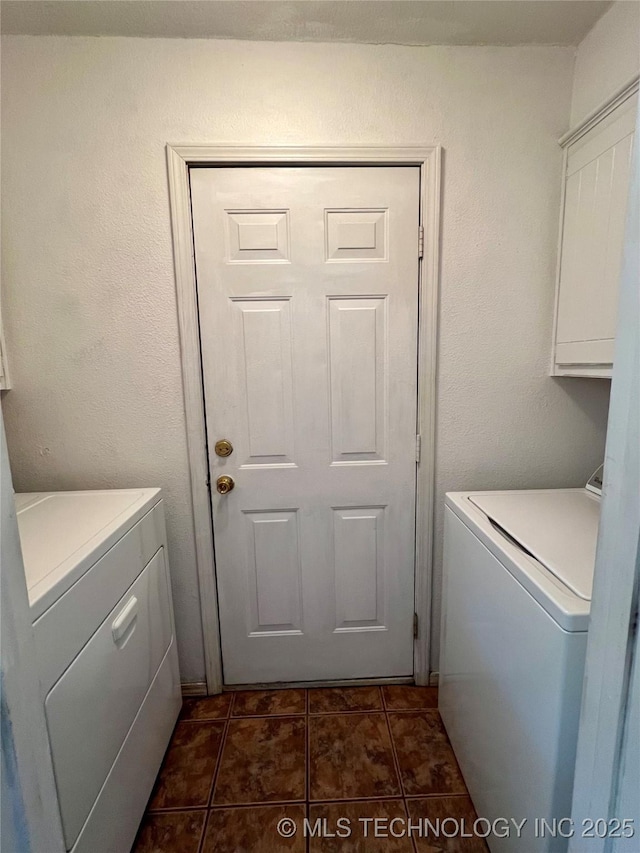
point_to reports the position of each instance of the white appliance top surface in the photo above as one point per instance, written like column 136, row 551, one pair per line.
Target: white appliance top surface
column 558, row 527
column 63, row 533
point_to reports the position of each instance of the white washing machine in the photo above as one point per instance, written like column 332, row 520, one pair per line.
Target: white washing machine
column 100, row 599
column 518, row 573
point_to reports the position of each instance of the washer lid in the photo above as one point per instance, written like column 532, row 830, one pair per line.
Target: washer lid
column 558, row 527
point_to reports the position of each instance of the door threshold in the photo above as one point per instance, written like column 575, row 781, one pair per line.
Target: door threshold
column 338, row 682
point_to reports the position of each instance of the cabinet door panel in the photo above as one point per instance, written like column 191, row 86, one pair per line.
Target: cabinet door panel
column 597, row 181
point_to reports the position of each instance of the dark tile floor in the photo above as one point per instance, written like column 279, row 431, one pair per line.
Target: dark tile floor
column 241, row 762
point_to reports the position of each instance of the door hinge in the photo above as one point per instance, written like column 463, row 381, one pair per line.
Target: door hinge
column 420, row 241
column 418, row 447
column 415, row 626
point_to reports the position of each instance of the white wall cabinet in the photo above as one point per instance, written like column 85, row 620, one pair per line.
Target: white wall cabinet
column 597, row 170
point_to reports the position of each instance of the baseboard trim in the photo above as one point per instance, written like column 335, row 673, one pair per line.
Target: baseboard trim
column 344, row 682
column 194, row 688
column 199, row 688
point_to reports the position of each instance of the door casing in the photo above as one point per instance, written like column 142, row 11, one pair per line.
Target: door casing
column 428, row 159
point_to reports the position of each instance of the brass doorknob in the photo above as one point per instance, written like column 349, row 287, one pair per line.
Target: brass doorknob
column 224, row 484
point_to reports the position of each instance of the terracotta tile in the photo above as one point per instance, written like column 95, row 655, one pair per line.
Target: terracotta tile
column 187, row 771
column 263, row 761
column 179, row 832
column 461, row 810
column 400, row 697
column 262, row 703
column 207, row 707
column 253, row 830
column 350, row 757
column 365, row 837
column 328, row 700
column 426, row 759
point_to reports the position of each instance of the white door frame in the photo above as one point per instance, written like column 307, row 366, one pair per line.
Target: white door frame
column 179, row 159
column 607, row 753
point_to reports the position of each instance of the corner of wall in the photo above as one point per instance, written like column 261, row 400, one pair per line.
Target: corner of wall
column 606, row 58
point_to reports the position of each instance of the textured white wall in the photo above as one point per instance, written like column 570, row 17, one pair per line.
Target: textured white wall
column 90, row 304
column 607, row 57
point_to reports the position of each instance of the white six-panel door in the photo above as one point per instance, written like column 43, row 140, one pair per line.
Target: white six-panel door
column 308, row 304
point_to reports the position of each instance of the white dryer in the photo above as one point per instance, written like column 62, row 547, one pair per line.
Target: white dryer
column 100, row 598
column 518, row 573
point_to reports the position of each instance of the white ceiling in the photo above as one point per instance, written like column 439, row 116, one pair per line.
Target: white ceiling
column 411, row 22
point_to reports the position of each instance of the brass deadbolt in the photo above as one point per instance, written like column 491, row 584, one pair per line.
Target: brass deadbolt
column 224, row 447
column 224, row 484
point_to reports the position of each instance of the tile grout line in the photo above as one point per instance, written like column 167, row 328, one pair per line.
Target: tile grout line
column 216, row 771
column 232, row 704
column 373, row 798
column 214, row 778
column 397, row 765
column 412, row 840
column 425, row 709
column 270, row 716
column 396, row 760
column 255, row 804
column 405, row 804
column 446, row 796
column 176, row 809
column 386, row 798
column 343, row 713
column 205, row 824
column 348, row 713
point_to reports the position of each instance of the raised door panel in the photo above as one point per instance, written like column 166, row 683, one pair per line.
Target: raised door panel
column 257, row 236
column 274, row 598
column 356, row 235
column 358, row 378
column 359, row 568
column 265, row 381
